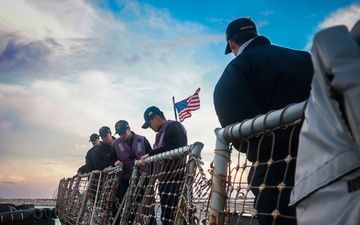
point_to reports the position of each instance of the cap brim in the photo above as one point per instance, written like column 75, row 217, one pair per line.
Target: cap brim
column 227, row 50
column 146, row 125
column 120, row 132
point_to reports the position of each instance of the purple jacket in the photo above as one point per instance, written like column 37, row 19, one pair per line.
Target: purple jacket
column 127, row 154
column 167, row 165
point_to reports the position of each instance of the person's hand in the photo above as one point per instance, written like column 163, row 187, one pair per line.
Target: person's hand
column 117, row 163
column 142, row 159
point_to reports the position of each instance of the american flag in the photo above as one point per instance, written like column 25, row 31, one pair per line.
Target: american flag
column 187, row 105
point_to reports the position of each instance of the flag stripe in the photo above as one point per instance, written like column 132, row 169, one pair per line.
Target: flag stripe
column 183, row 115
column 187, row 105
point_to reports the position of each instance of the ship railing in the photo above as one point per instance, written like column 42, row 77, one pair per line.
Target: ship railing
column 223, row 195
column 87, row 198
column 142, row 204
column 232, row 188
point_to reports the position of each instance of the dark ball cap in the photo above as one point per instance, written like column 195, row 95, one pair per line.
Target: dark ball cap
column 93, row 137
column 149, row 114
column 237, row 27
column 104, row 131
column 121, row 126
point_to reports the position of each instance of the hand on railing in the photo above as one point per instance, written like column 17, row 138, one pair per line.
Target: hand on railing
column 118, row 162
column 142, row 159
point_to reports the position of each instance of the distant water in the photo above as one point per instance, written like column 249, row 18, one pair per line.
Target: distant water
column 57, row 221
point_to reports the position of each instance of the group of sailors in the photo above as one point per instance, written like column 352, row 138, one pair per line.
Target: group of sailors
column 111, row 151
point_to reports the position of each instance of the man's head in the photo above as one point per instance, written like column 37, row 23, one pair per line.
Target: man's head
column 94, row 139
column 154, row 118
column 105, row 134
column 239, row 31
column 123, row 129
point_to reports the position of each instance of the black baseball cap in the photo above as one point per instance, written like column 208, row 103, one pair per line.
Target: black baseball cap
column 104, row 131
column 93, row 137
column 149, row 114
column 236, row 27
column 121, row 126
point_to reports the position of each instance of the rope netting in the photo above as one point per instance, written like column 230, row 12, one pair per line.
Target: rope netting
column 260, row 167
column 173, row 188
column 87, row 199
column 241, row 204
column 168, row 185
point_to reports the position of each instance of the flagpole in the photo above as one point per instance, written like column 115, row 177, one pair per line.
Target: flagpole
column 174, row 108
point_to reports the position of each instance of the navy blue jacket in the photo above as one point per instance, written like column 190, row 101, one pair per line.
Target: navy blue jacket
column 101, row 156
column 262, row 78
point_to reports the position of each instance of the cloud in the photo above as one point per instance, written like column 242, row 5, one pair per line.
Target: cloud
column 9, row 182
column 347, row 16
column 28, row 175
column 267, row 13
column 67, row 68
column 34, row 20
column 262, row 23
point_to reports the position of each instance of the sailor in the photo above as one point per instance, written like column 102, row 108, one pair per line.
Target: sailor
column 128, row 147
column 169, row 135
column 101, row 156
column 89, row 163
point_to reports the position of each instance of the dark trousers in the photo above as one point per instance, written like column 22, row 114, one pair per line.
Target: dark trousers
column 120, row 194
column 169, row 196
column 269, row 197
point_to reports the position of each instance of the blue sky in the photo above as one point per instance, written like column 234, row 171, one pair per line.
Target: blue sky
column 69, row 67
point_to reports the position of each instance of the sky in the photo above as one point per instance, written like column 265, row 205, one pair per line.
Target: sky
column 69, row 67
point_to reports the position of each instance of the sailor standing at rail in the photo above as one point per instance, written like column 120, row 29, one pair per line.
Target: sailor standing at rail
column 101, row 156
column 128, row 147
column 89, row 163
column 169, row 135
column 264, row 77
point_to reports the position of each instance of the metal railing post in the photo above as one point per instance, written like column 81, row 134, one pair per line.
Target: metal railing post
column 218, row 197
column 224, row 136
column 195, row 152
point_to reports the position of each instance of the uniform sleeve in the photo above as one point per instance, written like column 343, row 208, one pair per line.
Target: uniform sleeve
column 89, row 160
column 234, row 97
column 148, row 147
column 97, row 159
column 100, row 160
column 82, row 169
column 113, row 156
